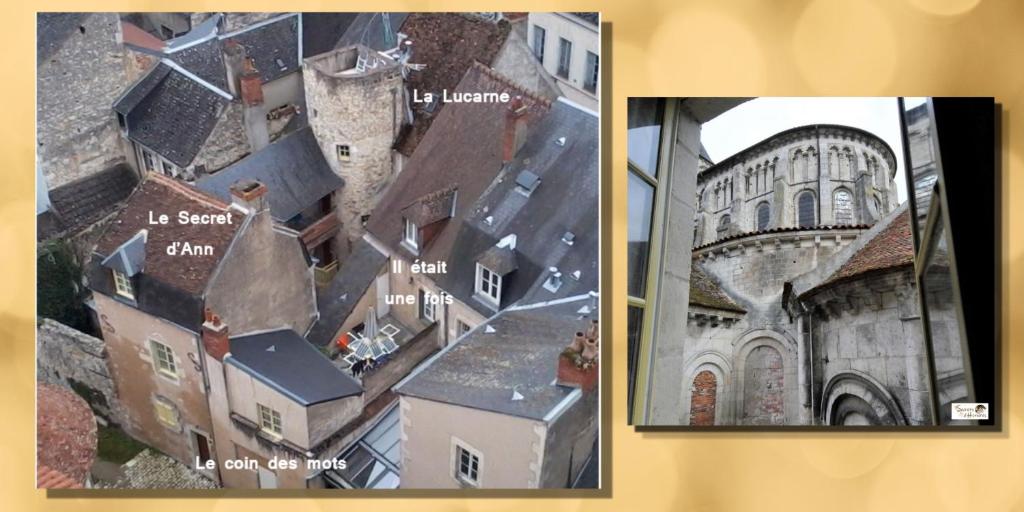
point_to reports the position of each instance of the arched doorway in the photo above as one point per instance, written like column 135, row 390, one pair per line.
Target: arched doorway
column 703, row 399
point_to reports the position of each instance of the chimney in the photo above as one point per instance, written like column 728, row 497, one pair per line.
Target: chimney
column 578, row 363
column 515, row 129
column 234, row 60
column 250, row 84
column 215, row 336
column 250, row 195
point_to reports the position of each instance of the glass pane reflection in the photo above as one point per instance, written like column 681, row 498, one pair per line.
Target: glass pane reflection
column 645, row 115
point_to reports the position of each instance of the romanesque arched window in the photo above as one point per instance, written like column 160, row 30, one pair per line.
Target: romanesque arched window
column 796, row 169
column 763, row 215
column 846, row 164
column 703, row 398
column 723, row 226
column 805, row 216
column 842, row 205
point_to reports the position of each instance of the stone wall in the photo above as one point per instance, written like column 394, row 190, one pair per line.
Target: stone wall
column 73, row 359
column 400, row 363
column 822, row 161
column 363, row 111
column 76, row 129
column 227, row 142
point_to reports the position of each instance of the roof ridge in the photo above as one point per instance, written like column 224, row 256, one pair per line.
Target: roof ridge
column 508, row 82
column 188, row 191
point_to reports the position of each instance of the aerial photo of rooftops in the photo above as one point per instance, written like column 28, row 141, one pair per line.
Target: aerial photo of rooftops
column 318, row 250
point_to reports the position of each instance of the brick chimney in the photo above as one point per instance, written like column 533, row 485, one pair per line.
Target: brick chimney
column 251, row 84
column 215, row 336
column 578, row 363
column 249, row 194
column 515, row 129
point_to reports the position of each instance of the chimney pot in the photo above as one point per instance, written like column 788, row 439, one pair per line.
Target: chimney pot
column 249, row 194
column 515, row 129
column 215, row 336
column 251, row 84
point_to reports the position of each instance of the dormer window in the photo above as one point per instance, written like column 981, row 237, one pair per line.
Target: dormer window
column 488, row 284
column 123, row 285
column 411, row 235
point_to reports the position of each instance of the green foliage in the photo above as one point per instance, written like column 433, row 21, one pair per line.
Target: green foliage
column 60, row 293
column 116, row 446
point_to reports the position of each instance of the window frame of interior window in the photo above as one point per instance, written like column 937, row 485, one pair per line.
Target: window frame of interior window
column 568, row 64
column 280, row 423
column 479, row 290
column 588, row 73
column 410, row 243
column 662, row 182
column 922, row 242
column 458, row 444
column 543, row 43
column 130, row 294
column 348, row 152
column 425, row 305
column 153, row 343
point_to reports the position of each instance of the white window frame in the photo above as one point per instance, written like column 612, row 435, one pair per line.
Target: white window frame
column 123, row 284
column 487, row 284
column 270, row 420
column 472, row 477
column 410, row 234
column 462, row 327
column 346, row 155
column 429, row 310
column 169, row 169
column 163, row 359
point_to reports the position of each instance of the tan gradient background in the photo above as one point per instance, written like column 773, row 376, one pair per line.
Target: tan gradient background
column 670, row 48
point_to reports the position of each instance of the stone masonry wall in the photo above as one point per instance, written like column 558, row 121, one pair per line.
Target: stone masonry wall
column 363, row 111
column 77, row 131
column 71, row 358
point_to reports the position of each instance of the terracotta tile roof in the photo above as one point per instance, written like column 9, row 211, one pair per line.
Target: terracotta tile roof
column 162, row 195
column 65, row 436
column 49, row 478
column 893, row 247
column 449, row 44
column 704, row 291
column 463, row 151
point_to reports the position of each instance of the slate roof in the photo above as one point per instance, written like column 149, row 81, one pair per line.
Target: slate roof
column 286, row 362
column 892, row 247
column 470, row 165
column 337, row 301
column 83, row 202
column 66, row 432
column 267, row 44
column 448, row 44
column 293, row 169
column 368, row 29
column 205, row 60
column 705, row 291
column 482, row 370
column 322, row 30
column 162, row 195
column 171, row 113
column 52, row 29
column 564, row 201
column 590, row 17
column 176, row 116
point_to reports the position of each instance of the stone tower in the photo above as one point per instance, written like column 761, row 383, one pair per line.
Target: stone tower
column 356, row 105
